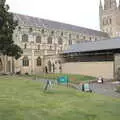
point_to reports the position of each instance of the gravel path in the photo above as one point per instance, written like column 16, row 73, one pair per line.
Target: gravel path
column 107, row 88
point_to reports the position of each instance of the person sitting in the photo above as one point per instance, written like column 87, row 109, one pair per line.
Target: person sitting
column 100, row 80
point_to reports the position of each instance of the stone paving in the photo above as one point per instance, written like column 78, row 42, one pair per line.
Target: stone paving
column 107, row 88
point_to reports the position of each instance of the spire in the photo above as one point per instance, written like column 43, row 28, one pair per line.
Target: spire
column 119, row 4
column 100, row 6
column 2, row 2
column 110, row 4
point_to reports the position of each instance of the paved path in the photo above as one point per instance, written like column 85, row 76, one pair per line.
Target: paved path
column 108, row 88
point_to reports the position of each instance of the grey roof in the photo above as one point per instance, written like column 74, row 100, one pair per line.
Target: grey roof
column 37, row 22
column 108, row 44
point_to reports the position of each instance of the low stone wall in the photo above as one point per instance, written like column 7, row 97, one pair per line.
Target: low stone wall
column 105, row 69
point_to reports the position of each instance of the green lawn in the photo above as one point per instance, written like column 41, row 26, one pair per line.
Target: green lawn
column 76, row 79
column 23, row 99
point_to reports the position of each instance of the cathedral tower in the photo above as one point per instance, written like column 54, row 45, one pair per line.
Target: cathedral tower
column 109, row 17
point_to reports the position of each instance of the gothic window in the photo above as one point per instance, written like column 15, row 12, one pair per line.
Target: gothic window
column 38, row 47
column 25, row 61
column 110, row 21
column 25, row 46
column 39, row 61
column 49, row 40
column 19, row 28
column 77, row 36
column 24, row 38
column 84, row 37
column 62, row 33
column 49, row 66
column 52, row 33
column 53, row 65
column 90, row 38
column 1, row 66
column 60, row 41
column 70, row 42
column 70, row 36
column 59, row 62
column 43, row 31
column 30, row 29
column 50, row 47
column 38, row 39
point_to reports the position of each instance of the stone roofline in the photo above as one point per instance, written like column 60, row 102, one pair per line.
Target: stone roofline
column 75, row 26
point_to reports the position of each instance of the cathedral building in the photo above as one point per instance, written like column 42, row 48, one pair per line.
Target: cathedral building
column 43, row 40
column 110, row 17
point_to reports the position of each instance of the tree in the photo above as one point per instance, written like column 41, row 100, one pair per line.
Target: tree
column 7, row 46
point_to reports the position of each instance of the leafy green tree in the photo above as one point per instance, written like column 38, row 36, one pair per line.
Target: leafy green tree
column 7, row 46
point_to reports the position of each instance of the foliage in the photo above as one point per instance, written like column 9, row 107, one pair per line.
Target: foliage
column 7, row 46
column 23, row 99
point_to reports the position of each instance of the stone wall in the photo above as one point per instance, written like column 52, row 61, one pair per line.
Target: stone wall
column 96, row 69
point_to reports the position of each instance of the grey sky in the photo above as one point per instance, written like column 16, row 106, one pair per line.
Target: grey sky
column 77, row 12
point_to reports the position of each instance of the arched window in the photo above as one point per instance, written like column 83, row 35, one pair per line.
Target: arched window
column 25, row 46
column 70, row 42
column 52, row 32
column 38, row 39
column 60, row 41
column 77, row 36
column 30, row 29
column 25, row 61
column 24, row 38
column 42, row 31
column 62, row 33
column 38, row 47
column 49, row 66
column 1, row 65
column 49, row 41
column 110, row 21
column 39, row 61
column 70, row 36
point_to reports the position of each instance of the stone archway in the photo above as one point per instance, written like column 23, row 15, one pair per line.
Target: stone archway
column 49, row 66
column 9, row 66
column 1, row 65
column 53, row 66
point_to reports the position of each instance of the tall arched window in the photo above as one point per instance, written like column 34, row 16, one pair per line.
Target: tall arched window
column 60, row 41
column 24, row 38
column 1, row 65
column 38, row 39
column 25, row 61
column 110, row 21
column 70, row 39
column 49, row 41
column 39, row 61
column 70, row 42
column 49, row 66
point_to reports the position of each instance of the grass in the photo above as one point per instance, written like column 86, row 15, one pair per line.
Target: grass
column 76, row 79
column 24, row 99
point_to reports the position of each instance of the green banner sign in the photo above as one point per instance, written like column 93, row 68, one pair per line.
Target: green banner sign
column 63, row 79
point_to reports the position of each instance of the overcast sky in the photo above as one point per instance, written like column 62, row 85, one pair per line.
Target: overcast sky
column 77, row 12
